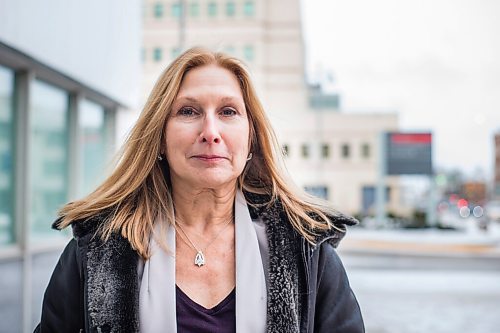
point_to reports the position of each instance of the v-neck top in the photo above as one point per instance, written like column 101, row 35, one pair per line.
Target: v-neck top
column 193, row 317
column 158, row 296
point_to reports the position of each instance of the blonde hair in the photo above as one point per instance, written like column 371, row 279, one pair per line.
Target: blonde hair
column 138, row 190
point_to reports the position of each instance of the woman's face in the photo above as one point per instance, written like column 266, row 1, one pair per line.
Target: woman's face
column 207, row 133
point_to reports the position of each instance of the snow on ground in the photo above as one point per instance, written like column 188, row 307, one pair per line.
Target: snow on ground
column 415, row 301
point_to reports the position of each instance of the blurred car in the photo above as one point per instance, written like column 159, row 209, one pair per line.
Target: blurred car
column 455, row 215
column 492, row 210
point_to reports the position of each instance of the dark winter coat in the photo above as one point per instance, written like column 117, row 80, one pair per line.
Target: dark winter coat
column 95, row 285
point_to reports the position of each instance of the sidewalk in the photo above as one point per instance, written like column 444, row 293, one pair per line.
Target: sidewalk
column 424, row 242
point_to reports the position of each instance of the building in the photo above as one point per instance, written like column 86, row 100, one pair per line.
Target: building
column 267, row 35
column 329, row 153
column 336, row 156
column 65, row 86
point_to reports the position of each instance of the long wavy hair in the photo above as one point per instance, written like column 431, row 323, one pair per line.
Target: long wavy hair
column 138, row 191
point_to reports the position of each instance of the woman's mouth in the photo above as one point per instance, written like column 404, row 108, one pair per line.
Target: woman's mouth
column 209, row 158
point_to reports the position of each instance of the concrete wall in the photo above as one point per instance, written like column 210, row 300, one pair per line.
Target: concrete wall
column 95, row 42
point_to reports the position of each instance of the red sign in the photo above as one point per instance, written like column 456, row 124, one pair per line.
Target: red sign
column 411, row 138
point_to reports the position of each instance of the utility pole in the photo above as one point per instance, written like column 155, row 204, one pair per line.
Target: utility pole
column 380, row 195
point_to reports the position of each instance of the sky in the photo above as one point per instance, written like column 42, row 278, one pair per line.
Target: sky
column 434, row 62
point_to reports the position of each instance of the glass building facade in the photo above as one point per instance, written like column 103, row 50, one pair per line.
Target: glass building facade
column 65, row 95
column 56, row 138
column 93, row 125
column 56, row 141
column 6, row 156
column 48, row 155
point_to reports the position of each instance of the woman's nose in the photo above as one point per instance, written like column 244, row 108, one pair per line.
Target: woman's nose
column 210, row 132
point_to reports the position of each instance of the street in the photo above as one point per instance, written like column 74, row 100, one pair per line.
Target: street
column 418, row 301
column 426, row 281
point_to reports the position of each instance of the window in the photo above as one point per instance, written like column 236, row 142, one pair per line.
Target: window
column 6, row 156
column 345, row 150
column 48, row 142
column 368, row 194
column 158, row 10
column 230, row 8
column 53, row 168
column 157, row 54
column 176, row 9
column 212, row 9
column 248, row 53
column 365, row 150
column 195, row 9
column 325, row 150
column 249, row 8
column 175, row 52
column 229, row 49
column 286, row 150
column 93, row 129
column 317, row 191
column 305, row 150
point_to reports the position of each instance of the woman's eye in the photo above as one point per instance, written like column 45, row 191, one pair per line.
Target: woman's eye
column 228, row 112
column 188, row 112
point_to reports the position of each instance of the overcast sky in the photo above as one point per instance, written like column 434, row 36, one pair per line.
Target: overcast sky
column 435, row 62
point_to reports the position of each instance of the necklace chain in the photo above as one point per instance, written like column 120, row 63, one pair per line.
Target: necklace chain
column 199, row 259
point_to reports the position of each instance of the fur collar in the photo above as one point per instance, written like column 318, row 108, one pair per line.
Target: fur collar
column 112, row 285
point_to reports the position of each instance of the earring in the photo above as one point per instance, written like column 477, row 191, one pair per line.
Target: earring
column 160, row 158
column 249, row 157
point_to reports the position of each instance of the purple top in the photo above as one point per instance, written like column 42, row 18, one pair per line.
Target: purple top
column 192, row 317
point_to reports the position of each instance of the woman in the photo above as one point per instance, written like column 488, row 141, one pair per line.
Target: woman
column 197, row 229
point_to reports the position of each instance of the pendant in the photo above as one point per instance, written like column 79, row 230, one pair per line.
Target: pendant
column 199, row 260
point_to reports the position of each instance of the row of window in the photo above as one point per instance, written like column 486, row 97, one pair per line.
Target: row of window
column 368, row 194
column 48, row 140
column 230, row 8
column 158, row 54
column 326, row 151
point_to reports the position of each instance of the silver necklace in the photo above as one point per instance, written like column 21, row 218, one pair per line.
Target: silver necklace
column 199, row 259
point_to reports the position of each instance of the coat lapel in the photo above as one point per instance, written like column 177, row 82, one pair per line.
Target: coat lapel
column 283, row 305
column 287, row 304
column 113, row 289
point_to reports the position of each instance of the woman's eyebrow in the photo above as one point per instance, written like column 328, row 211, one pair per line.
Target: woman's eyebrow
column 227, row 99
column 224, row 99
column 187, row 98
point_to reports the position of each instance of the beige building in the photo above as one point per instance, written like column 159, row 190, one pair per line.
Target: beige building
column 336, row 155
column 265, row 34
column 330, row 153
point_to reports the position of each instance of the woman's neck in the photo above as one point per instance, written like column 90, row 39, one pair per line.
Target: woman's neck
column 202, row 209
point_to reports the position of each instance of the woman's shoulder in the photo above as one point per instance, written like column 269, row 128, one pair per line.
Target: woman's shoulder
column 339, row 223
column 262, row 205
column 84, row 226
column 333, row 234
